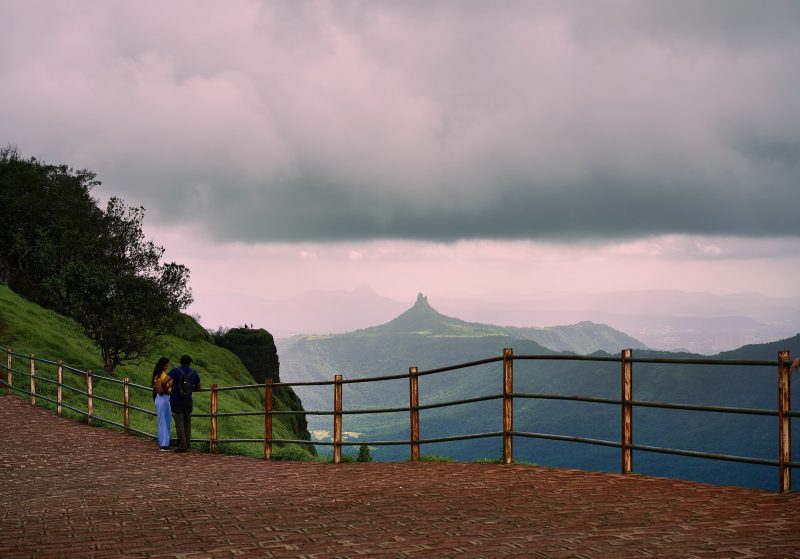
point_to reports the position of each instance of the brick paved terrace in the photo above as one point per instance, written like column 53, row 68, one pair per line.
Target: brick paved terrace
column 72, row 490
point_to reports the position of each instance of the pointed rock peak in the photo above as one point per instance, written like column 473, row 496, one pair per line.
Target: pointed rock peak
column 422, row 307
column 420, row 317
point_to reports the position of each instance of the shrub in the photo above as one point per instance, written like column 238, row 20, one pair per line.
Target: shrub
column 291, row 453
column 364, row 454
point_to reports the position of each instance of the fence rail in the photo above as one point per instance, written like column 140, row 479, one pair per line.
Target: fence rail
column 626, row 403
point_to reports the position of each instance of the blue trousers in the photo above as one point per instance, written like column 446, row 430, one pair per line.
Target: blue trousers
column 164, row 418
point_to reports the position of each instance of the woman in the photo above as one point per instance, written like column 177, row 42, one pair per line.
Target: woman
column 162, row 386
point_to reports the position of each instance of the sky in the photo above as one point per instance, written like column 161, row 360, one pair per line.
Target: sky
column 459, row 148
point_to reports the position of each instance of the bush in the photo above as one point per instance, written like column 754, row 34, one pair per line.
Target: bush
column 364, row 454
column 291, row 453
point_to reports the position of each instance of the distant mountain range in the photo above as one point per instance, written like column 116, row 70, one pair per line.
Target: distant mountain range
column 669, row 320
column 423, row 337
column 584, row 337
column 661, row 319
column 420, row 336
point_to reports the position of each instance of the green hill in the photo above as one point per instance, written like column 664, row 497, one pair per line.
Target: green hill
column 30, row 329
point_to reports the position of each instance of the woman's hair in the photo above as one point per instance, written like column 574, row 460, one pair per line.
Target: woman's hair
column 159, row 368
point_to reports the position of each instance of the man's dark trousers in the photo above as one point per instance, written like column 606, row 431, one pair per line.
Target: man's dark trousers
column 183, row 424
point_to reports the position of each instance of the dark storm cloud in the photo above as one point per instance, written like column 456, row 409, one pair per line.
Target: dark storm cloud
column 419, row 120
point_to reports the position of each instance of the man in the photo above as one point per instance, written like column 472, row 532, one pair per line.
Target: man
column 185, row 380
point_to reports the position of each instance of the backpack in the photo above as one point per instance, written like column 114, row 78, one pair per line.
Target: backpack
column 185, row 384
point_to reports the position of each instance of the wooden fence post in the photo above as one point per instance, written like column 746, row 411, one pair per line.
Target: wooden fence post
column 268, row 419
column 337, row 419
column 126, row 410
column 213, row 441
column 59, row 389
column 9, row 365
column 413, row 390
column 627, row 411
column 784, row 424
column 508, row 405
column 33, row 380
column 89, row 399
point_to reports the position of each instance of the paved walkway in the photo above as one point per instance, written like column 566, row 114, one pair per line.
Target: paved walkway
column 70, row 490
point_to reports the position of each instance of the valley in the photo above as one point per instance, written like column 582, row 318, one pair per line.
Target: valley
column 427, row 339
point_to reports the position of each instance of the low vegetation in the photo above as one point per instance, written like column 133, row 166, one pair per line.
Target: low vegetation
column 435, row 458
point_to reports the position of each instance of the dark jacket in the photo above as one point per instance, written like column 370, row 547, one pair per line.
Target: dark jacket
column 176, row 374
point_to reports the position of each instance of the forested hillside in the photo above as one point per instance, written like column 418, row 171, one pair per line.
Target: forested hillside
column 424, row 338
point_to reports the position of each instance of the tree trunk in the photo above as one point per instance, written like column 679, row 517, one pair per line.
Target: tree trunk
column 108, row 362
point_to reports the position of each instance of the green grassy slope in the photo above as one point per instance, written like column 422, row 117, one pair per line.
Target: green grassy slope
column 27, row 329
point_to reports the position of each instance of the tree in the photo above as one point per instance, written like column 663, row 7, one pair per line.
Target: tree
column 126, row 297
column 363, row 454
column 59, row 249
column 50, row 221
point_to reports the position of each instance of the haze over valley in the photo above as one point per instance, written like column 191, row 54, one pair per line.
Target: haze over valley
column 670, row 320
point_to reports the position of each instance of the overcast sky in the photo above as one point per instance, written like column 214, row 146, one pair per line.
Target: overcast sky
column 455, row 147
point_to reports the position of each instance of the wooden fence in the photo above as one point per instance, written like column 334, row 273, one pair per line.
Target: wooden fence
column 626, row 404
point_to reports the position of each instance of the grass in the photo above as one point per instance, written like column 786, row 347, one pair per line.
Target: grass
column 500, row 461
column 435, row 458
column 28, row 329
